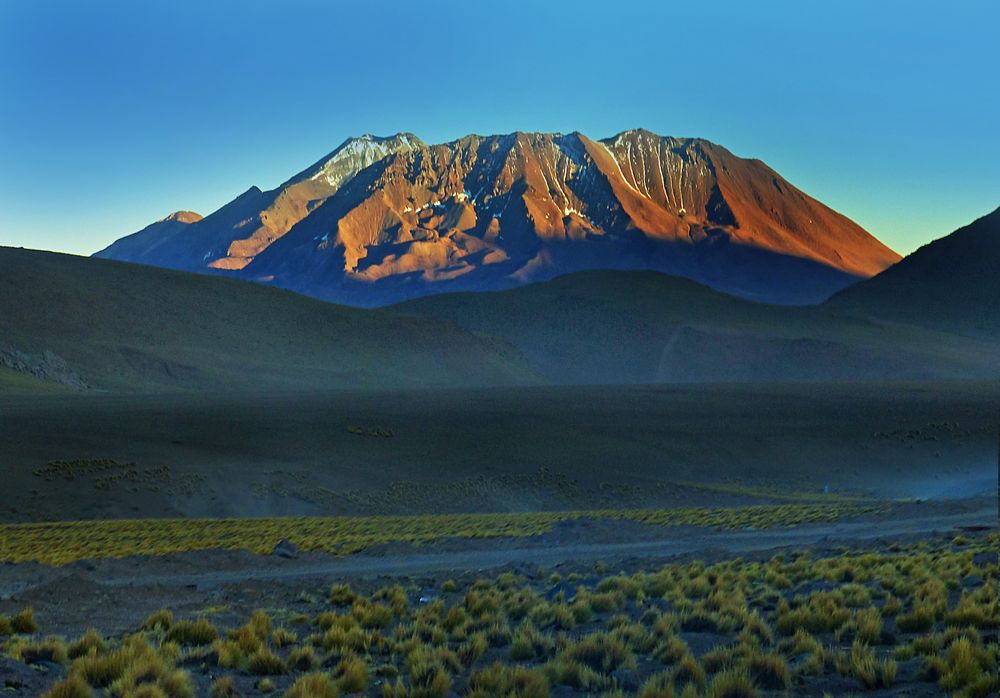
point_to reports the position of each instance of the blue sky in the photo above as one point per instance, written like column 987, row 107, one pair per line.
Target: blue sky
column 114, row 114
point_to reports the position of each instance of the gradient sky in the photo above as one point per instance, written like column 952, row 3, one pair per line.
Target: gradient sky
column 114, row 114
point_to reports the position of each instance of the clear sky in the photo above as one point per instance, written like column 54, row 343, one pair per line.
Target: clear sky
column 114, row 114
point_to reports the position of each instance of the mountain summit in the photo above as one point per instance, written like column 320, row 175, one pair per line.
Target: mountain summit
column 380, row 220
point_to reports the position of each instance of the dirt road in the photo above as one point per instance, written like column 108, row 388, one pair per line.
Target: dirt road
column 486, row 557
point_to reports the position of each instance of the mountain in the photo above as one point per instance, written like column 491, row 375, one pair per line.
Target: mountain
column 952, row 284
column 381, row 220
column 157, row 239
column 81, row 323
column 233, row 235
column 76, row 323
column 646, row 327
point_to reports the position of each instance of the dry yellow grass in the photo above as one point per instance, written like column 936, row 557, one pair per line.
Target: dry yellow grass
column 61, row 543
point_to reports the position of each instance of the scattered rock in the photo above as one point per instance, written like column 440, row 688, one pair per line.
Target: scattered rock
column 626, row 679
column 568, row 591
column 45, row 366
column 286, row 549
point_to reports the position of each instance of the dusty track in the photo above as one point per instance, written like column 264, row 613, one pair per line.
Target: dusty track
column 417, row 563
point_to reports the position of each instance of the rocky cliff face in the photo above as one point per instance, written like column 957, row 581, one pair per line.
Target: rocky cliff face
column 384, row 219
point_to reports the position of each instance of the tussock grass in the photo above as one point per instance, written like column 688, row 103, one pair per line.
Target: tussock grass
column 50, row 650
column 263, row 662
column 352, row 674
column 871, row 672
column 732, row 684
column 503, row 681
column 71, row 687
column 223, row 687
column 769, row 671
column 192, row 632
column 313, row 686
column 788, row 623
column 23, row 622
column 90, row 642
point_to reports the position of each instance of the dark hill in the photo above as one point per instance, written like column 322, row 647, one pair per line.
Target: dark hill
column 77, row 321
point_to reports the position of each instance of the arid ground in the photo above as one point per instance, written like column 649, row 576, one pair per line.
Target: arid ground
column 350, row 453
column 652, row 541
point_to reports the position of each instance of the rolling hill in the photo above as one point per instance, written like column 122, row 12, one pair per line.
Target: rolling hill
column 952, row 283
column 646, row 327
column 80, row 323
column 381, row 220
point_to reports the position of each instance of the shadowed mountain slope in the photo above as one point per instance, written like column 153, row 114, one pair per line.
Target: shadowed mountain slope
column 952, row 283
column 92, row 323
column 644, row 327
column 387, row 219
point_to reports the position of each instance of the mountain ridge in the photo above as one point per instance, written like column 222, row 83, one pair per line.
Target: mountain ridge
column 382, row 219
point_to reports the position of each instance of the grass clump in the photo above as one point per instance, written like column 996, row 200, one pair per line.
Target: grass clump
column 965, row 663
column 302, row 659
column 352, row 674
column 342, row 595
column 920, row 620
column 601, row 652
column 311, row 686
column 658, row 686
column 50, row 650
column 689, row 671
column 70, row 687
column 264, row 662
column 821, row 613
column 769, row 671
column 283, row 637
column 732, row 683
column 502, row 681
column 873, row 673
column 23, row 622
column 160, row 620
column 90, row 642
column 193, row 632
column 563, row 671
column 223, row 687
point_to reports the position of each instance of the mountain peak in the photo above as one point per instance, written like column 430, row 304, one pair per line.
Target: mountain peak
column 182, row 217
column 355, row 154
column 485, row 212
